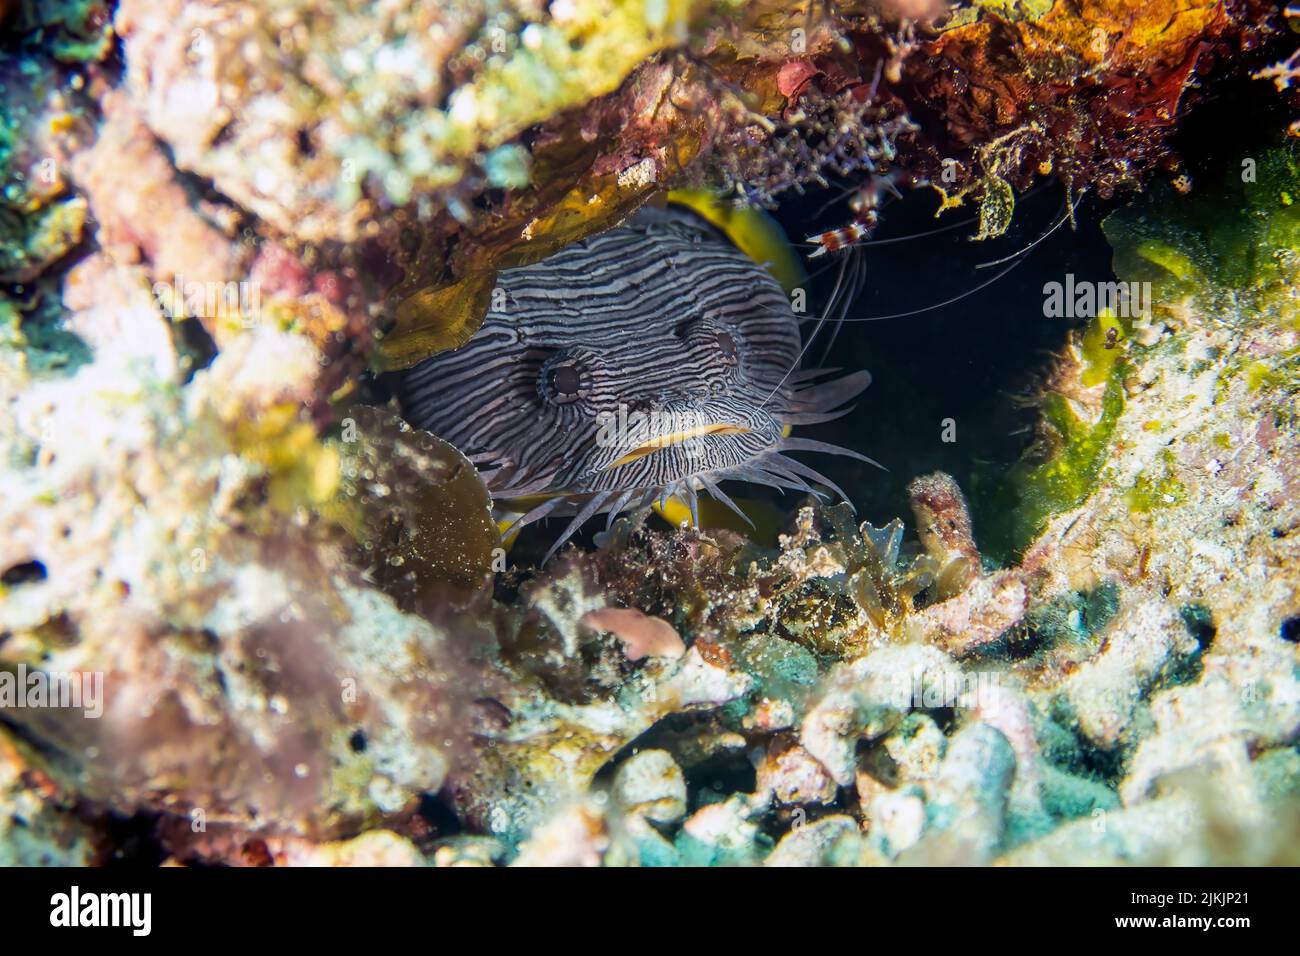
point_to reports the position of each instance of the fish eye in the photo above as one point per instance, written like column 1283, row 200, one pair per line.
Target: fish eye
column 561, row 380
column 565, row 380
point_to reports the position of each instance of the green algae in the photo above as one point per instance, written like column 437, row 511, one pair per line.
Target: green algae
column 1234, row 250
column 31, row 329
column 33, row 230
column 1028, row 10
column 30, row 243
column 40, row 221
column 1240, row 239
column 1065, row 480
column 1280, row 375
column 738, row 848
column 1278, row 772
column 73, row 31
column 1010, row 10
column 1100, row 349
column 1231, row 251
column 1033, row 491
column 1157, row 488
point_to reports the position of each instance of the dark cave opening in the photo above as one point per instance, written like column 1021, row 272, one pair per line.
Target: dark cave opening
column 950, row 383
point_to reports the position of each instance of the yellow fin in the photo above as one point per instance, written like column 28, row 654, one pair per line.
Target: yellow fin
column 508, row 514
column 504, row 522
column 767, row 518
column 751, row 230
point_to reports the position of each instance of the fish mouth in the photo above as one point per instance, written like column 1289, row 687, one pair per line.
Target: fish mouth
column 670, row 439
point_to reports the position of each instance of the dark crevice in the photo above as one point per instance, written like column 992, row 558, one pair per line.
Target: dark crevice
column 134, row 841
column 718, row 777
column 1199, row 623
column 25, row 573
column 439, row 816
column 1290, row 629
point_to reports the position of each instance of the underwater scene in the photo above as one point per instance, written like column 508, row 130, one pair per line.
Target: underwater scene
column 679, row 433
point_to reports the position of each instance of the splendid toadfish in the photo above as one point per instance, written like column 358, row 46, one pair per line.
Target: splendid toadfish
column 641, row 366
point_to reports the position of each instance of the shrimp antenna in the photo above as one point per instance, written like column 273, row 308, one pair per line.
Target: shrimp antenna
column 1015, row 259
column 938, row 305
column 831, row 304
column 857, row 278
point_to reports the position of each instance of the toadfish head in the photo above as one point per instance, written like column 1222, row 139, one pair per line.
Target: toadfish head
column 650, row 362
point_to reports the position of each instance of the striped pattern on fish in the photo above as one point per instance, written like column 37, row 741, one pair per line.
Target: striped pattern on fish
column 660, row 322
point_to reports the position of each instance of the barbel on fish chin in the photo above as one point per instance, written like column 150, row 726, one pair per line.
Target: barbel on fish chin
column 662, row 318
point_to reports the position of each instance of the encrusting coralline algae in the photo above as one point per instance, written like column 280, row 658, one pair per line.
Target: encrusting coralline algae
column 316, row 648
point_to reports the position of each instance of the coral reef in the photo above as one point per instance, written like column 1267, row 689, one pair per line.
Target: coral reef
column 294, row 632
column 142, row 512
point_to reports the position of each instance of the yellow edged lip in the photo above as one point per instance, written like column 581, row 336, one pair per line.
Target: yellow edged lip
column 675, row 438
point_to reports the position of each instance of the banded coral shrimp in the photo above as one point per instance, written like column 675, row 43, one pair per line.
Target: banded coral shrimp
column 865, row 202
